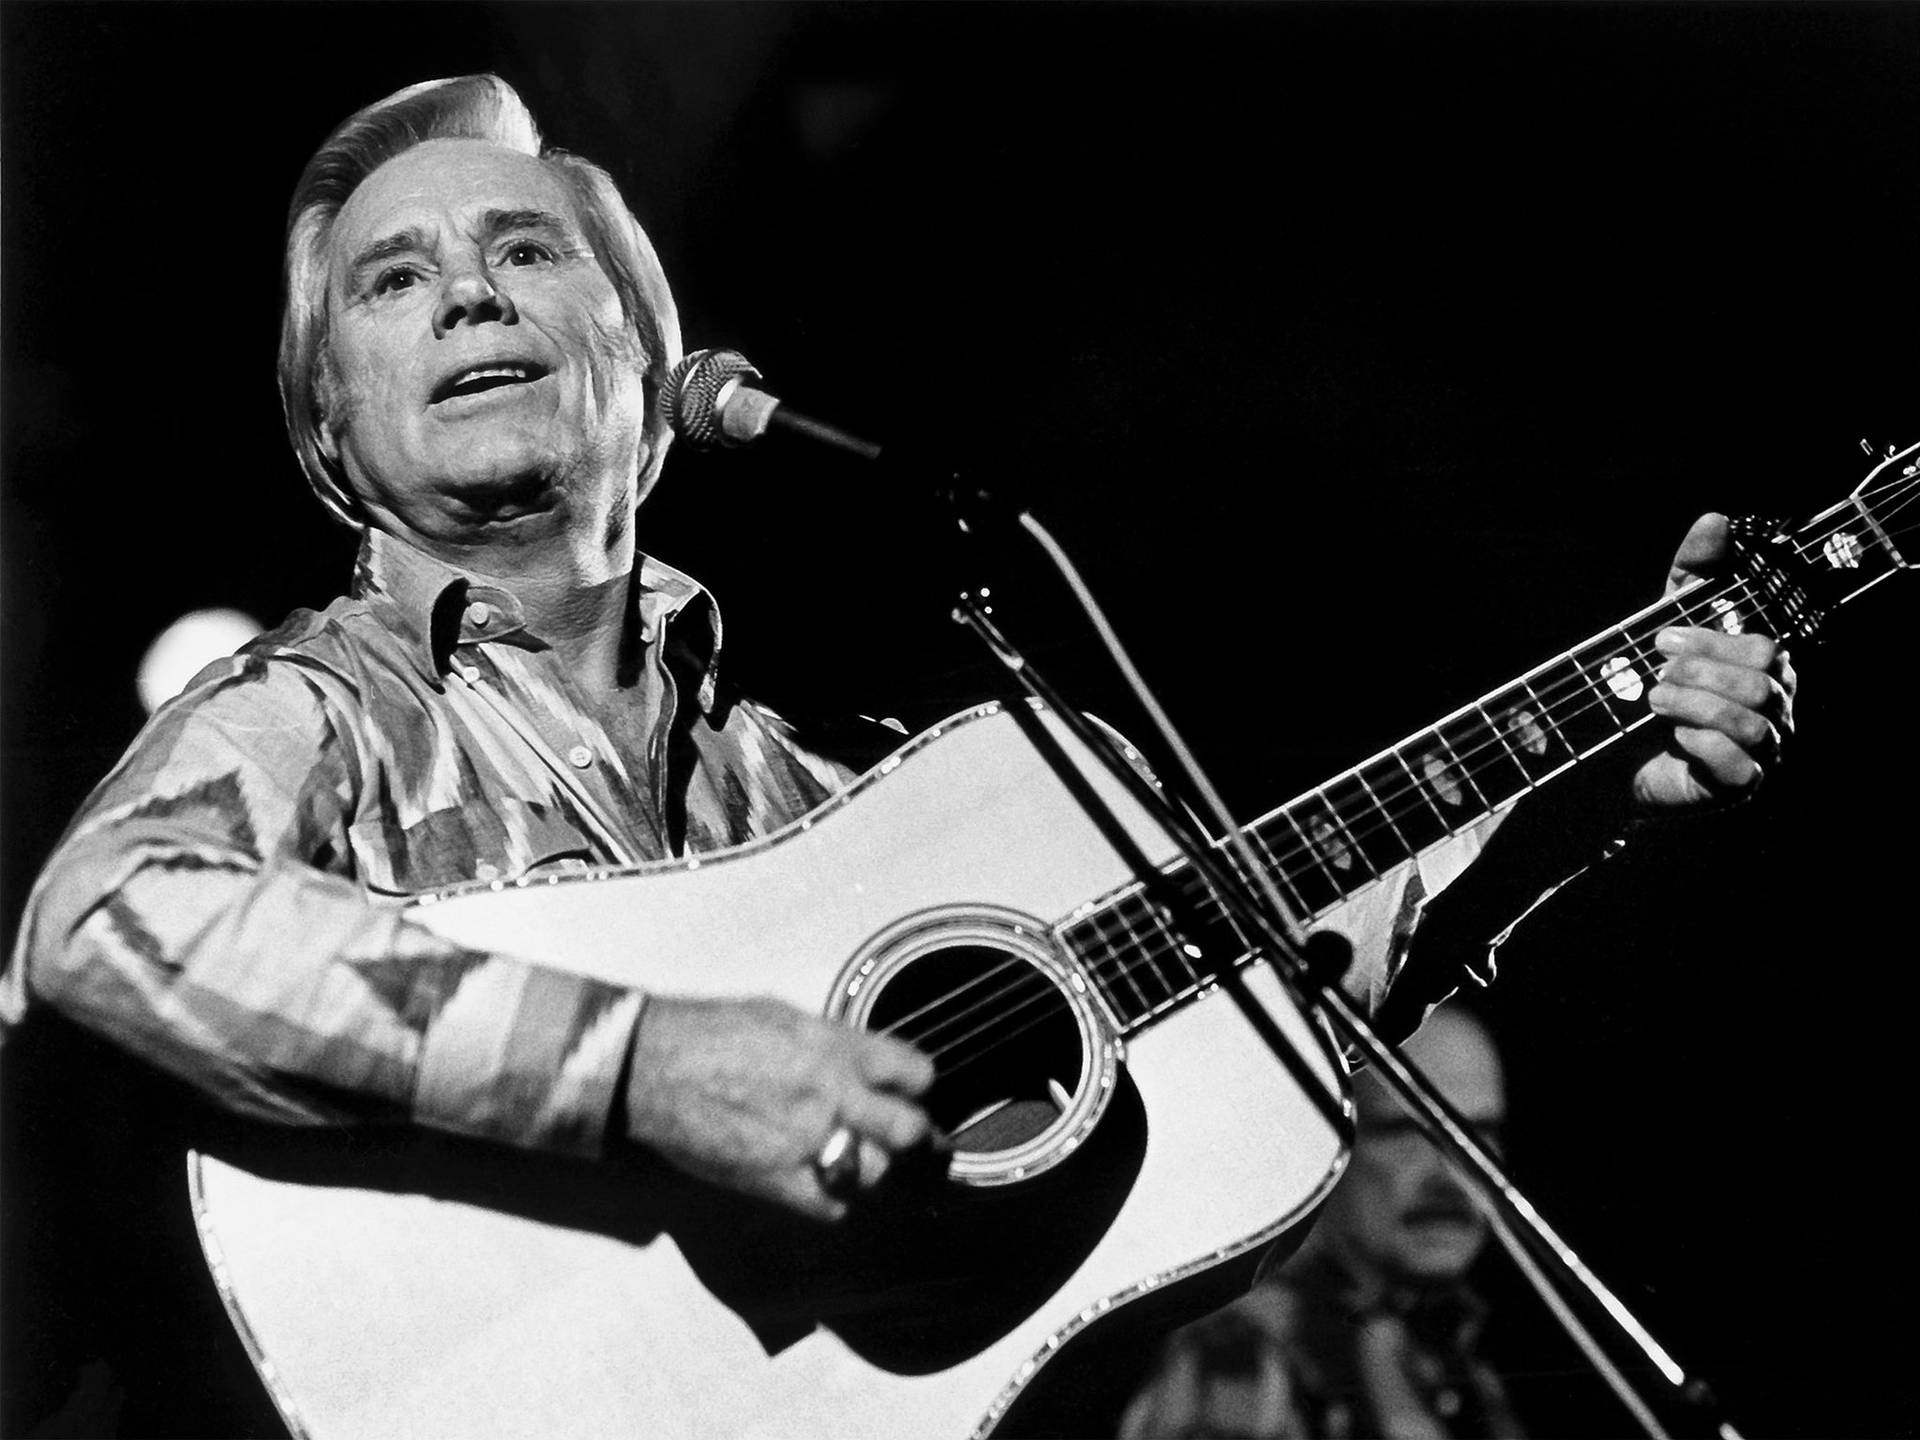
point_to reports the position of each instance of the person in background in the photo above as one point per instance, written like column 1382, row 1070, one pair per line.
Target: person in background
column 1372, row 1328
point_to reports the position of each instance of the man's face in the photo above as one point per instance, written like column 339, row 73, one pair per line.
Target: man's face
column 1399, row 1206
column 484, row 371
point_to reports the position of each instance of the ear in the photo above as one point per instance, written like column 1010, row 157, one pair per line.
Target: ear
column 327, row 440
column 326, row 408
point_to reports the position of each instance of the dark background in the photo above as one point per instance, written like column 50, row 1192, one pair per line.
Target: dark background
column 1363, row 355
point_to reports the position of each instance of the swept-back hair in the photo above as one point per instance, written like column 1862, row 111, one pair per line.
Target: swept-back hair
column 470, row 107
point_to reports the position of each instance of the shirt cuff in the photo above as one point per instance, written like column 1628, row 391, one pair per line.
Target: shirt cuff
column 525, row 1054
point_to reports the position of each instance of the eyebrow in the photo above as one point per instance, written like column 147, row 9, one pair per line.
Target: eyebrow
column 492, row 223
column 401, row 242
column 498, row 222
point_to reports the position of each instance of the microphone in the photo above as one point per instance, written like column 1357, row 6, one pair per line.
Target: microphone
column 711, row 403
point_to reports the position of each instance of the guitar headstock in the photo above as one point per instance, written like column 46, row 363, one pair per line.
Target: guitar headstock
column 1791, row 580
column 1887, row 499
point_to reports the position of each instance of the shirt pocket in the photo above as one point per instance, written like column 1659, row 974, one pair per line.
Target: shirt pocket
column 499, row 839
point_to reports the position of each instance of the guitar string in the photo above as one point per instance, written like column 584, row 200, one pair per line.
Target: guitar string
column 1564, row 703
column 1039, row 990
column 1566, row 700
column 1476, row 761
column 1572, row 693
column 1471, row 765
column 1473, row 770
column 1005, row 1035
column 1393, row 797
column 1033, row 987
column 1044, row 991
column 1039, row 987
column 1470, row 757
column 1395, row 791
column 897, row 1027
column 1008, row 1035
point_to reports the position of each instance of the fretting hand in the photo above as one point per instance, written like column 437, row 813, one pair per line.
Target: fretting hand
column 1729, row 698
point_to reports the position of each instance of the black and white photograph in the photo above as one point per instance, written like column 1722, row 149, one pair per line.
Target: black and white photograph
column 846, row 719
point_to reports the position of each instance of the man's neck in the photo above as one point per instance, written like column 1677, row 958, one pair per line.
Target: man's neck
column 572, row 588
column 583, row 619
column 579, row 609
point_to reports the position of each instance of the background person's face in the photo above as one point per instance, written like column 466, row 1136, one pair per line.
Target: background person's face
column 1399, row 1205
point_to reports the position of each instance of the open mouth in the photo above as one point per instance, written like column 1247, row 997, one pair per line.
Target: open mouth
column 479, row 379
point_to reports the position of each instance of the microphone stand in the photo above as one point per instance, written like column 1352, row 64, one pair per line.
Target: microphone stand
column 712, row 404
column 1310, row 968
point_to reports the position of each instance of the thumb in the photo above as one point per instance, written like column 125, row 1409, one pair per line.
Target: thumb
column 1701, row 553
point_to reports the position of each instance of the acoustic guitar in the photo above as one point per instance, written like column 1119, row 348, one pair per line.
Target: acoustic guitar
column 1123, row 1134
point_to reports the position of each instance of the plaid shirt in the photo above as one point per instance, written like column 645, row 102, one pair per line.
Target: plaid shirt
column 231, row 901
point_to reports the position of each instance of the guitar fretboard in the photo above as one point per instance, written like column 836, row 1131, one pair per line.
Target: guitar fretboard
column 1332, row 842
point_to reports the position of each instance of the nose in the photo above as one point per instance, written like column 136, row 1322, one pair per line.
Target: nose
column 468, row 297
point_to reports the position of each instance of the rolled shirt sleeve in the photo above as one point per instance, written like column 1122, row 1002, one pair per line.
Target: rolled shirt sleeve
column 204, row 911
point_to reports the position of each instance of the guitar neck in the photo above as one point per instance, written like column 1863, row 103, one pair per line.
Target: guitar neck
column 1323, row 847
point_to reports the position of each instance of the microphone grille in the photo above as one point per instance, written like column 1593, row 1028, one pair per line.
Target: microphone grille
column 693, row 393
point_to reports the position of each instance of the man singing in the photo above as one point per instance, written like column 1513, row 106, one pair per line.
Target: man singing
column 475, row 338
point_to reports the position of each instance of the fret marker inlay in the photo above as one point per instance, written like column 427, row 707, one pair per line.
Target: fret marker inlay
column 1330, row 844
column 1524, row 727
column 1327, row 840
column 1441, row 779
column 1622, row 679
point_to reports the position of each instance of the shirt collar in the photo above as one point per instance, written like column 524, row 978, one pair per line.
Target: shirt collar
column 433, row 607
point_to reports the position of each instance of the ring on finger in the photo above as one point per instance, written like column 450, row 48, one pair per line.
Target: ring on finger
column 837, row 1166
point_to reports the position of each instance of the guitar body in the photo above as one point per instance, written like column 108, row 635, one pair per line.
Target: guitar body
column 414, row 1287
column 1121, row 1137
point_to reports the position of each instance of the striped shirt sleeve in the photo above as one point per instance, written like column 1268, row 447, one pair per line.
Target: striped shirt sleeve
column 201, row 911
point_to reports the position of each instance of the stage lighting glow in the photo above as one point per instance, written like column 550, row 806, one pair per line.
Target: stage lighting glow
column 186, row 646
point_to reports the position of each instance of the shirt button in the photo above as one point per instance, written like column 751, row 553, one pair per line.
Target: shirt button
column 480, row 614
column 580, row 757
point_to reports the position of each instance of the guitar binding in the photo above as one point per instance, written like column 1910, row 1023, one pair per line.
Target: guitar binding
column 1026, row 1062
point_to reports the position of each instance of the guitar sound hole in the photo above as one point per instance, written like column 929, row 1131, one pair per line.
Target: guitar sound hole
column 1003, row 1038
